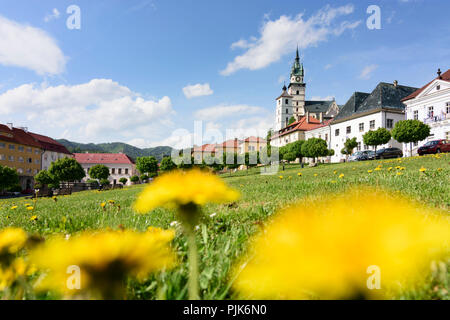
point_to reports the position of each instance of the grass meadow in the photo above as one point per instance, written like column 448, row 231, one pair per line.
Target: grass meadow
column 224, row 231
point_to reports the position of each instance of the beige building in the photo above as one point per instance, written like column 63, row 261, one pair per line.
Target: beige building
column 252, row 144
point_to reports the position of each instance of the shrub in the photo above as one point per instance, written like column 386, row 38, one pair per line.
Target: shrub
column 8, row 178
column 99, row 172
column 104, row 182
column 44, row 178
column 167, row 165
column 134, row 179
column 376, row 138
column 123, row 180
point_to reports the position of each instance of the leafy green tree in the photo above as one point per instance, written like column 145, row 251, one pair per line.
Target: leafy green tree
column 314, row 148
column 289, row 156
column 123, row 180
column 331, row 153
column 377, row 138
column 105, row 182
column 144, row 178
column 8, row 178
column 67, row 170
column 134, row 179
column 44, row 178
column 147, row 165
column 291, row 120
column 349, row 146
column 167, row 164
column 409, row 131
column 99, row 172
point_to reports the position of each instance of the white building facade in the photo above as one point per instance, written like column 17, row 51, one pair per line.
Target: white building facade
column 431, row 105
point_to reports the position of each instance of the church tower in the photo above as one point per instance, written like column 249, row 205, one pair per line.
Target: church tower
column 291, row 103
column 297, row 88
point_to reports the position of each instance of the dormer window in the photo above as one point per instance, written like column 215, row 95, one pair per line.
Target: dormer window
column 438, row 87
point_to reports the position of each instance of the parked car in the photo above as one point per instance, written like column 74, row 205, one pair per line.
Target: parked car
column 362, row 156
column 388, row 153
column 435, row 146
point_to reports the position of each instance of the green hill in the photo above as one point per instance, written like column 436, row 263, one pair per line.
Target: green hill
column 116, row 147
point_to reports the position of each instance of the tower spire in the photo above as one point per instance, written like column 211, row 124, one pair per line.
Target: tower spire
column 297, row 57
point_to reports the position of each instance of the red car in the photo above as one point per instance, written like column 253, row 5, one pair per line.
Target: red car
column 435, row 146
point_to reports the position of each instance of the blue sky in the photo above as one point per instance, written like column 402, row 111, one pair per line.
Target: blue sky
column 120, row 77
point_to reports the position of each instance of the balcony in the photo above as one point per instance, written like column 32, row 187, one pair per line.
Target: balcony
column 438, row 118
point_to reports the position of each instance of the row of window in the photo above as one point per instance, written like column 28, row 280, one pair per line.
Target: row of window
column 389, row 125
column 19, row 159
column 19, row 148
column 113, row 171
column 430, row 112
column 28, row 171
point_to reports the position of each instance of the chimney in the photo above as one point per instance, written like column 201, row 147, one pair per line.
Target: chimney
column 307, row 116
column 439, row 73
column 10, row 125
column 395, row 83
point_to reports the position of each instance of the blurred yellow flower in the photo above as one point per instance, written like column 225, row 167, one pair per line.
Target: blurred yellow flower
column 335, row 172
column 324, row 250
column 399, row 173
column 315, row 174
column 389, row 169
column 18, row 268
column 369, row 171
column 11, row 241
column 341, row 176
column 281, row 177
column 422, row 169
column 299, row 174
column 105, row 260
column 13, row 207
column 30, row 208
column 33, row 218
column 378, row 169
column 179, row 188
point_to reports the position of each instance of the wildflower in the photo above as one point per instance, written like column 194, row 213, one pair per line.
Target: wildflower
column 293, row 260
column 33, row 218
column 315, row 174
column 30, row 208
column 154, row 229
column 369, row 171
column 103, row 205
column 281, row 177
column 299, row 174
column 335, row 172
column 378, row 169
column 389, row 169
column 55, row 198
column 18, row 268
column 341, row 176
column 186, row 191
column 13, row 207
column 402, row 168
column 174, row 223
column 111, row 202
column 11, row 241
column 422, row 169
column 439, row 169
column 27, row 205
column 105, row 260
column 399, row 173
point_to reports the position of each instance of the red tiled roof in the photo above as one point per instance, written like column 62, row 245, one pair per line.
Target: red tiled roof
column 255, row 139
column 49, row 144
column 445, row 77
column 205, row 148
column 301, row 125
column 18, row 136
column 103, row 158
column 230, row 144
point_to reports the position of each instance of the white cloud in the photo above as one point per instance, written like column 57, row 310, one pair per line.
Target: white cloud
column 98, row 110
column 54, row 15
column 225, row 111
column 197, row 90
column 280, row 37
column 366, row 73
column 28, row 47
column 328, row 67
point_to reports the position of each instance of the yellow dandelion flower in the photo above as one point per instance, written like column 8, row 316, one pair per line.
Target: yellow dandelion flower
column 33, row 218
column 389, row 169
column 439, row 169
column 399, row 173
column 335, row 172
column 369, row 171
column 315, row 174
column 422, row 169
column 179, row 188
column 281, row 177
column 12, row 240
column 30, row 208
column 299, row 174
column 14, row 207
column 105, row 260
column 293, row 259
column 402, row 168
column 378, row 169
column 27, row 204
column 341, row 176
column 111, row 201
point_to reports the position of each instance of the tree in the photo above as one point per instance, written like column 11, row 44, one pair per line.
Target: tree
column 167, row 164
column 144, row 178
column 123, row 180
column 289, row 156
column 105, row 182
column 291, row 120
column 67, row 170
column 147, row 165
column 331, row 153
column 314, row 148
column 349, row 145
column 8, row 178
column 44, row 178
column 99, row 172
column 134, row 179
column 377, row 137
column 409, row 131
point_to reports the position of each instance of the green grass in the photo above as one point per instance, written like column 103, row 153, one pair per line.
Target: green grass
column 223, row 238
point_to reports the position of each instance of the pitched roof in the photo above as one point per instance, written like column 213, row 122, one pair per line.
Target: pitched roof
column 255, row 139
column 49, row 144
column 205, row 148
column 300, row 125
column 284, row 95
column 445, row 77
column 352, row 105
column 17, row 135
column 318, row 106
column 384, row 96
column 230, row 144
column 103, row 158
